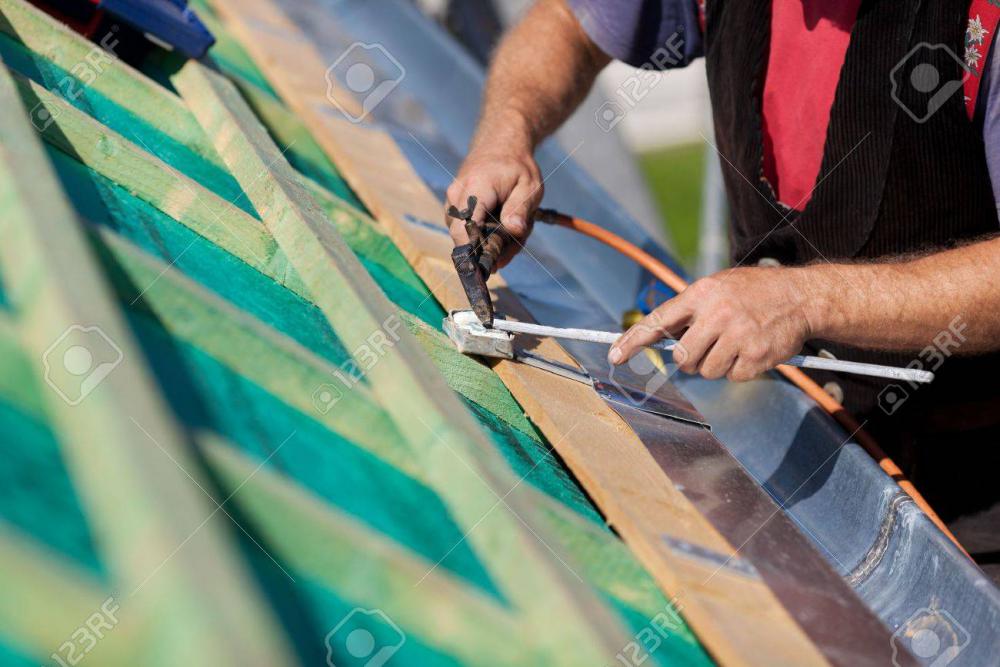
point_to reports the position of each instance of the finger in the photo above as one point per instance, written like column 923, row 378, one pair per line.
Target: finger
column 458, row 196
column 719, row 359
column 696, row 343
column 744, row 369
column 455, row 196
column 456, row 228
column 488, row 197
column 517, row 217
column 519, row 209
column 674, row 315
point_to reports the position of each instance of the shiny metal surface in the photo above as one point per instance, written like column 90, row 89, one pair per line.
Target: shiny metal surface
column 905, row 571
column 829, row 611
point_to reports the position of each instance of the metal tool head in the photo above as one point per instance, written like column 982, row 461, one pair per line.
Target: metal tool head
column 473, row 282
column 471, row 337
column 471, row 273
column 466, row 213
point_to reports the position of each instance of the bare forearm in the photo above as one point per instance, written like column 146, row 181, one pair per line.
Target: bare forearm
column 541, row 72
column 904, row 305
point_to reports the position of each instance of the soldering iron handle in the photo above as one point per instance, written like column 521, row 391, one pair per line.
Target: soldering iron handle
column 493, row 246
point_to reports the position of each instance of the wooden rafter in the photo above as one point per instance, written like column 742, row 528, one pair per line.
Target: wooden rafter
column 181, row 566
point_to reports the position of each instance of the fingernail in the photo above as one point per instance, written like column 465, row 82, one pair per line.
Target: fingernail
column 615, row 355
column 516, row 222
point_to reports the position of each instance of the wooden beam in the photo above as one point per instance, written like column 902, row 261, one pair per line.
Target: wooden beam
column 611, row 463
column 105, row 74
column 463, row 465
column 46, row 600
column 151, row 179
column 370, row 570
column 296, row 372
column 170, row 565
column 278, row 364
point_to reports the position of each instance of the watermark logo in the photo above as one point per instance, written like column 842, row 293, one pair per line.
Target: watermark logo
column 933, row 636
column 931, row 358
column 365, row 637
column 608, row 115
column 891, row 398
column 326, row 396
column 81, row 75
column 648, row 639
column 41, row 116
column 369, row 72
column 84, row 639
column 925, row 78
column 367, row 355
column 78, row 361
column 642, row 376
column 638, row 85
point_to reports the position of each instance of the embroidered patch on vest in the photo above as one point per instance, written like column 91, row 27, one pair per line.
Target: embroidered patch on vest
column 984, row 16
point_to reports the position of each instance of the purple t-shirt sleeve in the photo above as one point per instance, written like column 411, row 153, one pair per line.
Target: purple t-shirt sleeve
column 662, row 33
column 988, row 104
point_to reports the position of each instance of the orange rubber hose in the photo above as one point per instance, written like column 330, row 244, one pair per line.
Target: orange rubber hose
column 663, row 273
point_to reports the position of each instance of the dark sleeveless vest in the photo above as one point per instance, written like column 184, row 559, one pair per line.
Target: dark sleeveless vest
column 888, row 185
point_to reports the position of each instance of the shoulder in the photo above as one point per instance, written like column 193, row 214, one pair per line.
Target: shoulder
column 659, row 33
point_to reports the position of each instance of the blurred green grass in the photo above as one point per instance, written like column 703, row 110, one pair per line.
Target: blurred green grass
column 674, row 176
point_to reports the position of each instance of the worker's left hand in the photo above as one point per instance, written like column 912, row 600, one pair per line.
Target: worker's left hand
column 736, row 323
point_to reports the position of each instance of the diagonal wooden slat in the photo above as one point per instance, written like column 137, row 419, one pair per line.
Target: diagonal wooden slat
column 174, row 564
column 368, row 569
column 46, row 599
column 464, row 466
column 105, row 74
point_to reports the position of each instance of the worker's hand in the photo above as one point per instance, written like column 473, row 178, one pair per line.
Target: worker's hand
column 499, row 178
column 737, row 323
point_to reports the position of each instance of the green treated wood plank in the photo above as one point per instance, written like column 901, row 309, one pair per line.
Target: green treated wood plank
column 109, row 76
column 152, row 180
column 442, row 435
column 46, row 599
column 278, row 364
column 147, row 177
column 149, row 101
column 370, row 570
column 201, row 594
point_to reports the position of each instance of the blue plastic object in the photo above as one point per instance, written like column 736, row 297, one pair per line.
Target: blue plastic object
column 169, row 21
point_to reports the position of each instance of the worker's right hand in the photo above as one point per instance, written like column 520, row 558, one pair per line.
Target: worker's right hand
column 500, row 179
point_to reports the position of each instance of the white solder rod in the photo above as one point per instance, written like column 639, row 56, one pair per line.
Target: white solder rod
column 802, row 361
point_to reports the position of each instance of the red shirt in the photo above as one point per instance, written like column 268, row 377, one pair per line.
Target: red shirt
column 809, row 40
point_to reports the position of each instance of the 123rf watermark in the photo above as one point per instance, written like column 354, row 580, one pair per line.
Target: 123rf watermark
column 84, row 639
column 78, row 361
column 637, row 86
column 367, row 73
column 933, row 636
column 362, row 361
column 80, row 76
column 363, row 638
column 647, row 640
column 931, row 358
